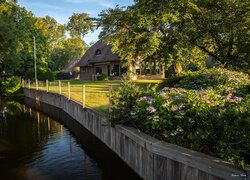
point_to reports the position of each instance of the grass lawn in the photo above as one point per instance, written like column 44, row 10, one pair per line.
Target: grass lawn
column 96, row 92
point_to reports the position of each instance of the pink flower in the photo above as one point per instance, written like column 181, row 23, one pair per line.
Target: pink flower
column 162, row 93
column 144, row 98
column 149, row 100
column 151, row 109
column 236, row 98
column 177, row 107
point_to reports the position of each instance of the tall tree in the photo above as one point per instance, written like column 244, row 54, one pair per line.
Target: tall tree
column 170, row 29
column 69, row 50
column 52, row 30
column 79, row 25
column 18, row 27
column 129, row 33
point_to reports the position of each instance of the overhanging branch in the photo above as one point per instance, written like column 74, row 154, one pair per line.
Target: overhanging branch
column 209, row 53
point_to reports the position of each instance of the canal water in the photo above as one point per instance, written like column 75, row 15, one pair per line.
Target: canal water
column 34, row 145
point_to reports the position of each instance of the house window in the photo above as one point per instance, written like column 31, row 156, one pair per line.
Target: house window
column 138, row 71
column 98, row 70
column 98, row 52
column 85, row 70
column 116, row 70
column 157, row 71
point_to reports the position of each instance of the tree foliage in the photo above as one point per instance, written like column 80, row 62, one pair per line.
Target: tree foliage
column 69, row 49
column 54, row 50
column 170, row 30
column 52, row 30
column 79, row 25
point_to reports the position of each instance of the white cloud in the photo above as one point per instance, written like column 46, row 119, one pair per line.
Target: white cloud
column 103, row 3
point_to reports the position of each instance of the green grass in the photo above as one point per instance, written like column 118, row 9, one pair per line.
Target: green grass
column 96, row 92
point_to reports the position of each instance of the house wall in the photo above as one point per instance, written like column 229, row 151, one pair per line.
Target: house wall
column 86, row 75
column 103, row 66
column 91, row 75
column 153, row 71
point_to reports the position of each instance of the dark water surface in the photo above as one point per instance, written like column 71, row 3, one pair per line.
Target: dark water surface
column 35, row 146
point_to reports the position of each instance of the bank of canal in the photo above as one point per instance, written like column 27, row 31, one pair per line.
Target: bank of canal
column 35, row 146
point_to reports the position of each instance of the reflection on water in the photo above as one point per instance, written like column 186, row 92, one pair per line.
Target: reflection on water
column 34, row 146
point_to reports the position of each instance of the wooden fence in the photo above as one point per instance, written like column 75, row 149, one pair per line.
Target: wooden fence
column 148, row 157
column 79, row 93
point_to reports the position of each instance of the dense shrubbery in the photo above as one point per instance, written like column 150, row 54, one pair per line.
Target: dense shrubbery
column 12, row 85
column 124, row 101
column 43, row 74
column 206, row 111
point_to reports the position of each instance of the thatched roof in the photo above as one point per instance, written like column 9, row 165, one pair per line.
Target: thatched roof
column 91, row 56
column 71, row 66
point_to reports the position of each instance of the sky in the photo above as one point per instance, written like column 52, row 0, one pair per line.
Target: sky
column 61, row 10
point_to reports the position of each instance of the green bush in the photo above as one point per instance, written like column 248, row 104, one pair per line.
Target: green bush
column 43, row 74
column 12, row 85
column 124, row 101
column 207, row 111
column 103, row 77
column 47, row 75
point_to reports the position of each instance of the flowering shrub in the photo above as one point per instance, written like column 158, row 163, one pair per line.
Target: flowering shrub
column 207, row 111
column 203, row 121
column 124, row 101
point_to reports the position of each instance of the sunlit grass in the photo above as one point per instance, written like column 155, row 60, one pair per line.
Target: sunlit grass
column 96, row 92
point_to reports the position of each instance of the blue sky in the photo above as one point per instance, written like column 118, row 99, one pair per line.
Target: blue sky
column 61, row 10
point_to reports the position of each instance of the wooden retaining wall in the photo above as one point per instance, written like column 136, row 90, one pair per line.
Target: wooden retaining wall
column 148, row 157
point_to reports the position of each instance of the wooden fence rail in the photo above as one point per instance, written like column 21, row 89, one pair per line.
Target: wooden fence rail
column 67, row 89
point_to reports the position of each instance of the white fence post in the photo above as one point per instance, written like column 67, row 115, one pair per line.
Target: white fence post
column 110, row 99
column 23, row 84
column 60, row 87
column 47, row 85
column 83, row 96
column 36, row 84
column 68, row 90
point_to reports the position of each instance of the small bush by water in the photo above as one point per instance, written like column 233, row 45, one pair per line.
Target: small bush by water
column 11, row 85
column 207, row 111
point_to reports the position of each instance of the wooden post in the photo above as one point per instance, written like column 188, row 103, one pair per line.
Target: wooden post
column 28, row 84
column 110, row 99
column 23, row 83
column 60, row 87
column 47, row 85
column 83, row 96
column 36, row 84
column 68, row 90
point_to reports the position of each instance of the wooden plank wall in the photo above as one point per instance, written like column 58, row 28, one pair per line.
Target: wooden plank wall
column 150, row 158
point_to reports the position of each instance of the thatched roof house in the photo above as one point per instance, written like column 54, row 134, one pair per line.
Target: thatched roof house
column 98, row 53
column 99, row 59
